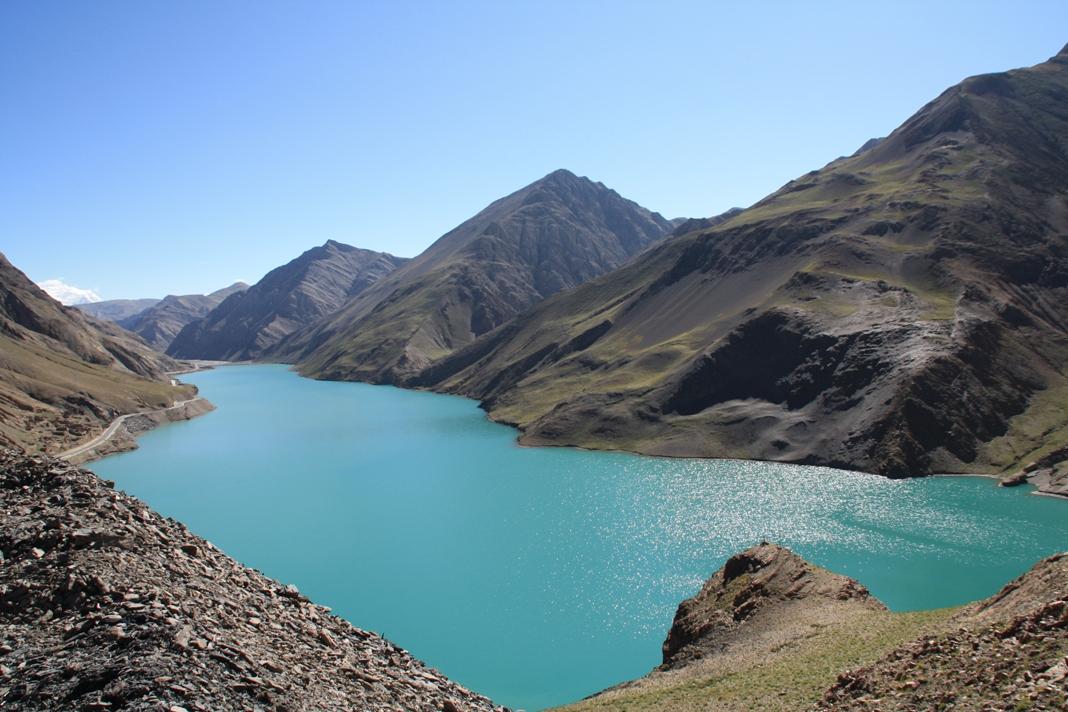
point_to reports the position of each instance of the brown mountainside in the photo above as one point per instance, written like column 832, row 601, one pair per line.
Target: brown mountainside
column 65, row 375
column 901, row 311
column 548, row 237
column 247, row 324
column 161, row 322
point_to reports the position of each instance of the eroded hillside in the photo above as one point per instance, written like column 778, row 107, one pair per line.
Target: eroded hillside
column 901, row 311
column 65, row 375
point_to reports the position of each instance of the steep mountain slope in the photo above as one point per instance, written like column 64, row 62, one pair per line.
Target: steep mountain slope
column 901, row 311
column 550, row 236
column 116, row 309
column 65, row 375
column 296, row 294
column 770, row 631
column 160, row 323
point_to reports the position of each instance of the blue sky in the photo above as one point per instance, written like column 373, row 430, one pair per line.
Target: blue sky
column 152, row 147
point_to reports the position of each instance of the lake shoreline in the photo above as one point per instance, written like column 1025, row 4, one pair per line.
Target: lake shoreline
column 121, row 434
column 504, row 513
column 525, row 440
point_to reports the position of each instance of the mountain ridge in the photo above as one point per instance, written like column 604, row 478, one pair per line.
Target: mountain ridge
column 65, row 375
column 546, row 237
column 160, row 323
column 245, row 325
column 844, row 320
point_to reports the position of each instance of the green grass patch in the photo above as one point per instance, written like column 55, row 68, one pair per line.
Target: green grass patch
column 791, row 678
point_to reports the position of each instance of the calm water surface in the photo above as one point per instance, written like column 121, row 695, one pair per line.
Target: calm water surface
column 539, row 575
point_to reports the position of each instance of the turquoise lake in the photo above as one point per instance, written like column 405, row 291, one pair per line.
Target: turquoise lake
column 539, row 575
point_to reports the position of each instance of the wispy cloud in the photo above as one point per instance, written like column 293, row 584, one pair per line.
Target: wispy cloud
column 67, row 293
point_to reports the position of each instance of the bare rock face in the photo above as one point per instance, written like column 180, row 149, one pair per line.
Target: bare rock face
column 104, row 604
column 765, row 582
column 1049, row 473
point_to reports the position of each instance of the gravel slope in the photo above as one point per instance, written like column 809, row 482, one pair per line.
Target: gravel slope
column 106, row 605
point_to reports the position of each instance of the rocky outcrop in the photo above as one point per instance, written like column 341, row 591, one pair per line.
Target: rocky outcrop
column 757, row 585
column 1051, row 480
column 1049, row 474
column 767, row 631
column 246, row 325
column 902, row 311
column 160, row 323
column 548, row 237
column 771, row 631
column 64, row 375
column 104, row 604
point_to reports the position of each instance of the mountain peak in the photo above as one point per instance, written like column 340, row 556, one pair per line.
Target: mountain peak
column 306, row 288
column 549, row 236
column 561, row 173
column 227, row 291
column 561, row 176
column 1063, row 52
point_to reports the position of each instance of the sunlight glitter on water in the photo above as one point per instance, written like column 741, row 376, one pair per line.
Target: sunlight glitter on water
column 539, row 575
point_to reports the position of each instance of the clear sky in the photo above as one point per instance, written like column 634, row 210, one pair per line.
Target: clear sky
column 174, row 147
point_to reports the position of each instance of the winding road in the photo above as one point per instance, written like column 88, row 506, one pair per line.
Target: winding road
column 110, row 431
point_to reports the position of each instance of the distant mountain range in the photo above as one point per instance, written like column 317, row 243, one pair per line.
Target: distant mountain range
column 115, row 309
column 548, row 237
column 160, row 323
column 899, row 311
column 65, row 375
column 248, row 323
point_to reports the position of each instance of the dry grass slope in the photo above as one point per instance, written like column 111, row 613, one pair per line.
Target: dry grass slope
column 900, row 311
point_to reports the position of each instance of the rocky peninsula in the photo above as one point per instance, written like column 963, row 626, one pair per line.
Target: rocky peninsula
column 771, row 631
